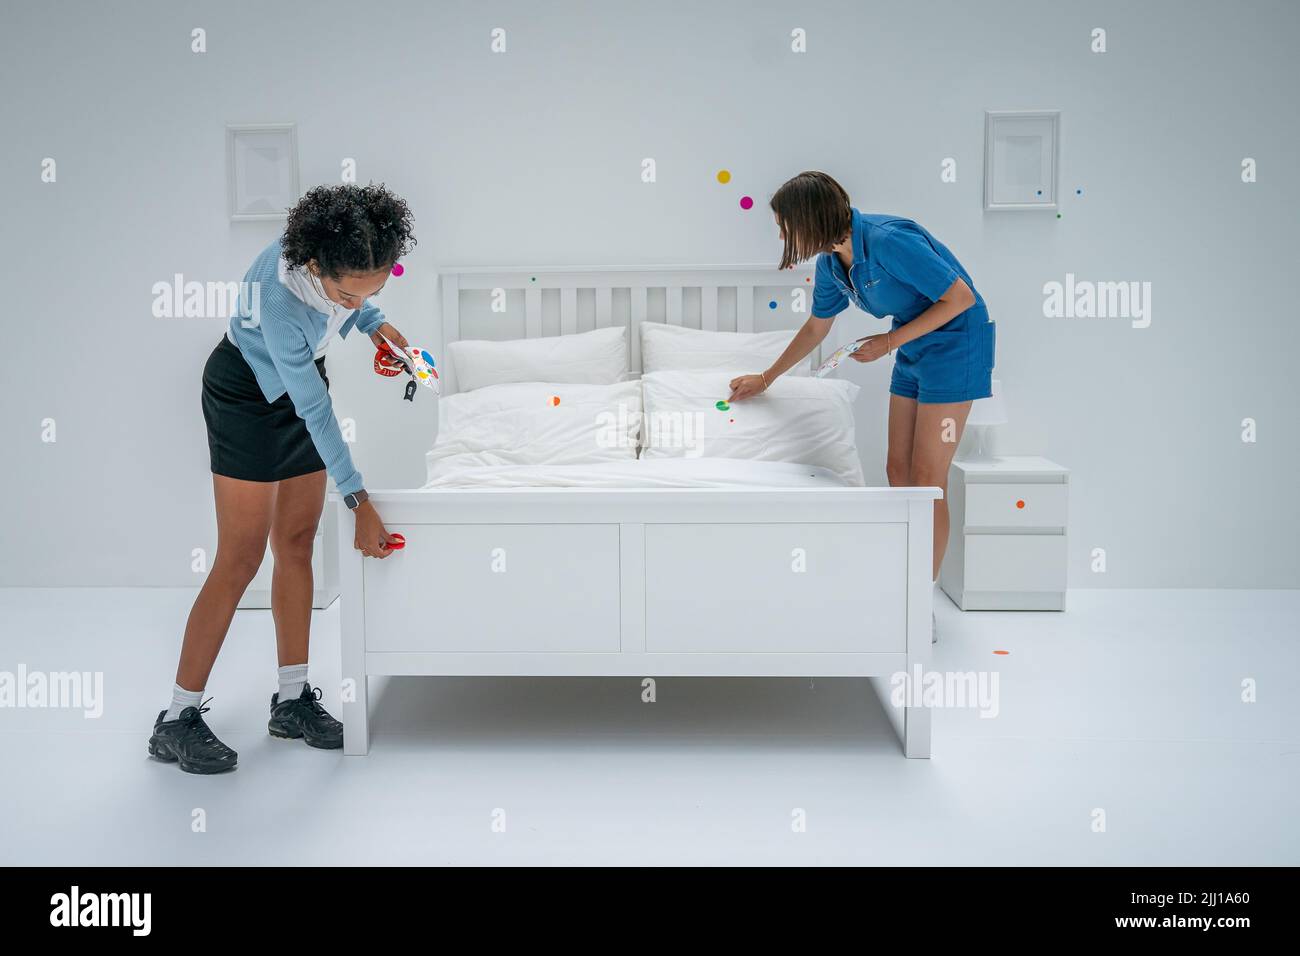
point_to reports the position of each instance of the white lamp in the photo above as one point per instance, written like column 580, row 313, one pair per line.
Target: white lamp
column 985, row 415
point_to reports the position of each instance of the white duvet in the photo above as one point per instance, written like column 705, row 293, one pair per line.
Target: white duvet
column 654, row 473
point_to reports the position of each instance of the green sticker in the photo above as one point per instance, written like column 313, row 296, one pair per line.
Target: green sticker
column 722, row 406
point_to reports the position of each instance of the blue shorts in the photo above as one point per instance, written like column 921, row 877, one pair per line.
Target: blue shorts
column 951, row 364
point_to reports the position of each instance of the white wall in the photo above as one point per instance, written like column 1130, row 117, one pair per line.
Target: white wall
column 533, row 157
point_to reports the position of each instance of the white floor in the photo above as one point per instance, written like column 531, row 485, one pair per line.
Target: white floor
column 1129, row 702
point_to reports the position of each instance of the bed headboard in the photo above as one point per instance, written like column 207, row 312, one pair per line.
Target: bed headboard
column 529, row 303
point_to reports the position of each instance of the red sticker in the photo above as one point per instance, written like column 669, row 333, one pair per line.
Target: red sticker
column 385, row 366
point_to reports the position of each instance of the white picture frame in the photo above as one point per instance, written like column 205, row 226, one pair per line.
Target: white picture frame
column 1022, row 154
column 261, row 170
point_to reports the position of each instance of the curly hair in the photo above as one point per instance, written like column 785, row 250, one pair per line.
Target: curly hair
column 348, row 229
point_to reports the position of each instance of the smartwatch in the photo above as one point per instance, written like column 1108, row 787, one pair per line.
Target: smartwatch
column 356, row 498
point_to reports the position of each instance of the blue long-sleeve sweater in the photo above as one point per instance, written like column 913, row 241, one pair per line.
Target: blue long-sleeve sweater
column 278, row 334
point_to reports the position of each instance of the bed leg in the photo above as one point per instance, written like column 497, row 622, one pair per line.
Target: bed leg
column 916, row 732
column 352, row 642
column 920, row 592
column 356, row 721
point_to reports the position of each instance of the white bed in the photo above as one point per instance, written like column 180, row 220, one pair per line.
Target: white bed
column 658, row 473
column 672, row 567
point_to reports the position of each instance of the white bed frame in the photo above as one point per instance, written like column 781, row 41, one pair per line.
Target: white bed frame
column 641, row 582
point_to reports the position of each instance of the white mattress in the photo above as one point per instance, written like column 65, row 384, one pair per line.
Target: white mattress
column 653, row 473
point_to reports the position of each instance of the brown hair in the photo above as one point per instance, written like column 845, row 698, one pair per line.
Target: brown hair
column 814, row 214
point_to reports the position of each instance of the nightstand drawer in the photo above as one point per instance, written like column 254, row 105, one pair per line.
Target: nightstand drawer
column 1015, row 562
column 1015, row 505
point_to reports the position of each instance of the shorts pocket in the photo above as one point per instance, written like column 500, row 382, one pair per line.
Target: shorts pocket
column 942, row 345
column 980, row 369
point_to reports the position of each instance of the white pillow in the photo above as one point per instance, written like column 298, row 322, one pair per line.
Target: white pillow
column 598, row 357
column 672, row 348
column 805, row 420
column 536, row 423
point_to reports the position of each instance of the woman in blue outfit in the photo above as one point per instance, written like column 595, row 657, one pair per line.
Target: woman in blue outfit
column 940, row 335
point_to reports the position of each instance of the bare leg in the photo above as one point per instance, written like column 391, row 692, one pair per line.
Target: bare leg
column 293, row 532
column 938, row 430
column 243, row 520
column 902, row 428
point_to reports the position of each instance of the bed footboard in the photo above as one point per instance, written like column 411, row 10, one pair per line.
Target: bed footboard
column 641, row 582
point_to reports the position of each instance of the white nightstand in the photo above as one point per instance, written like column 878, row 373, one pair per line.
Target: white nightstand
column 1006, row 539
column 324, row 567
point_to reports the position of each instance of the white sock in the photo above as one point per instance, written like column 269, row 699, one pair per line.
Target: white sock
column 182, row 698
column 293, row 677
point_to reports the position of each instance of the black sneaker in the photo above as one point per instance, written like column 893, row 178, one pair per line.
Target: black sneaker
column 188, row 741
column 304, row 717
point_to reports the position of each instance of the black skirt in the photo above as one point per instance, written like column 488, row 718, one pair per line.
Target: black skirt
column 248, row 437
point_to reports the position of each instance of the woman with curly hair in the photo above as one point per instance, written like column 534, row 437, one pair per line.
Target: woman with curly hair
column 272, row 437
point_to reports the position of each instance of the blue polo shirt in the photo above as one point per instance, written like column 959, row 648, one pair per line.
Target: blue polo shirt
column 899, row 270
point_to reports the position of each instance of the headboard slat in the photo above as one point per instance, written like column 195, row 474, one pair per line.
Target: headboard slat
column 639, row 296
column 604, row 308
column 709, row 308
column 673, row 305
column 532, row 313
column 463, row 288
column 568, row 310
column 450, row 327
column 744, row 308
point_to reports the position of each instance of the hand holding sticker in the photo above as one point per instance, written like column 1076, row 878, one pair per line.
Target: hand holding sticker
column 838, row 356
column 414, row 361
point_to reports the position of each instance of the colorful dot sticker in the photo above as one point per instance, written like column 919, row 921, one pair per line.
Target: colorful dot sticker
column 398, row 268
column 428, row 359
column 555, row 400
column 746, row 202
column 722, row 406
column 772, row 304
column 1078, row 192
column 1003, row 653
column 724, row 175
column 1020, row 503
